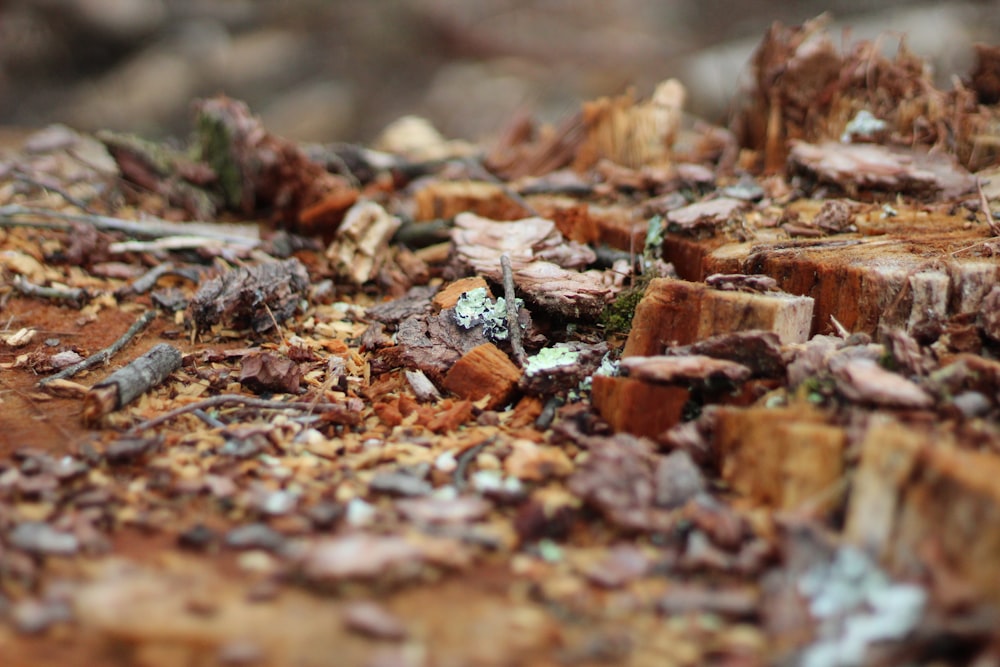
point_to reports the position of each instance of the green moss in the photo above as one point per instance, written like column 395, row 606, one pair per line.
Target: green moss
column 617, row 315
column 215, row 148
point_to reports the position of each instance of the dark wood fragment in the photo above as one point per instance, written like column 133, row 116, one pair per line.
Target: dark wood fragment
column 254, row 297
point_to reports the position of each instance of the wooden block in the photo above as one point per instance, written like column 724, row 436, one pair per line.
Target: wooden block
column 677, row 312
column 913, row 273
column 614, row 226
column 448, row 295
column 917, row 493
column 638, row 407
column 446, row 199
column 484, row 371
column 784, row 458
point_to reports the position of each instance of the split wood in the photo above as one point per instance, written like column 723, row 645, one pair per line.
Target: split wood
column 104, row 355
column 130, row 382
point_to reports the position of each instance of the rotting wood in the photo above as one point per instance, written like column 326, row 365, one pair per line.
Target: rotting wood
column 639, row 407
column 131, row 381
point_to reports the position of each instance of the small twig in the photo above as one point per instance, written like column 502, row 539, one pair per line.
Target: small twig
column 104, row 355
column 76, row 295
column 840, row 328
column 146, row 281
column 985, row 203
column 25, row 177
column 464, row 459
column 223, row 399
column 513, row 326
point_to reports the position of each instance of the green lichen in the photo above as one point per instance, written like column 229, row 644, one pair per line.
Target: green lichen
column 474, row 308
column 549, row 358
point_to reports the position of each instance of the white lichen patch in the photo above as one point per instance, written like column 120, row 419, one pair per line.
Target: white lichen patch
column 549, row 358
column 474, row 308
column 864, row 124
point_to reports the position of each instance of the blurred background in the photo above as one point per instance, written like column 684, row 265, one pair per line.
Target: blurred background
column 340, row 70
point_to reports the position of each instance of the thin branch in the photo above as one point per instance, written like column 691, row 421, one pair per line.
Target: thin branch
column 104, row 355
column 985, row 203
column 224, row 399
column 513, row 326
column 155, row 228
column 76, row 295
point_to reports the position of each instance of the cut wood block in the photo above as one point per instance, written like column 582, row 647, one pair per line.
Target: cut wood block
column 914, row 274
column 616, row 227
column 484, row 371
column 638, row 407
column 677, row 312
column 448, row 295
column 785, row 458
column 446, row 199
column 917, row 493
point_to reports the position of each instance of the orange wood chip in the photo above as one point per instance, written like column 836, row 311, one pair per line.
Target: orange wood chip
column 484, row 371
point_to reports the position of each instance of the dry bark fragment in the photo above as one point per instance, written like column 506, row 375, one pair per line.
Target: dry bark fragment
column 760, row 351
column 706, row 215
column 265, row 371
column 860, row 167
column 254, row 297
column 863, row 380
column 638, row 407
column 676, row 369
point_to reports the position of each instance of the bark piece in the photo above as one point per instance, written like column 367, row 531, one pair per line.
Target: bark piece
column 760, row 351
column 266, row 371
column 638, row 407
column 373, row 620
column 786, row 458
column 416, row 301
column 128, row 383
column 484, row 371
column 674, row 369
column 863, row 380
column 705, row 215
column 361, row 243
column 859, row 167
column 254, row 297
column 676, row 312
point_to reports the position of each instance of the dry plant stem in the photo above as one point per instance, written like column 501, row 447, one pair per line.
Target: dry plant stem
column 464, row 459
column 104, row 355
column 154, row 228
column 24, row 177
column 994, row 226
column 513, row 325
column 225, row 399
column 75, row 294
column 131, row 381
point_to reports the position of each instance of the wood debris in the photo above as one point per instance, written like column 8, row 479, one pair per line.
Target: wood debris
column 717, row 395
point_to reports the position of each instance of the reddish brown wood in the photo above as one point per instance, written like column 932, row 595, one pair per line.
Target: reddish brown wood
column 484, row 371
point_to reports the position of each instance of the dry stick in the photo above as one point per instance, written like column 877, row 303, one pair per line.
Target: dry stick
column 75, row 294
column 984, row 202
column 130, row 382
column 154, row 228
column 25, row 177
column 513, row 326
column 146, row 281
column 104, row 355
column 223, row 399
